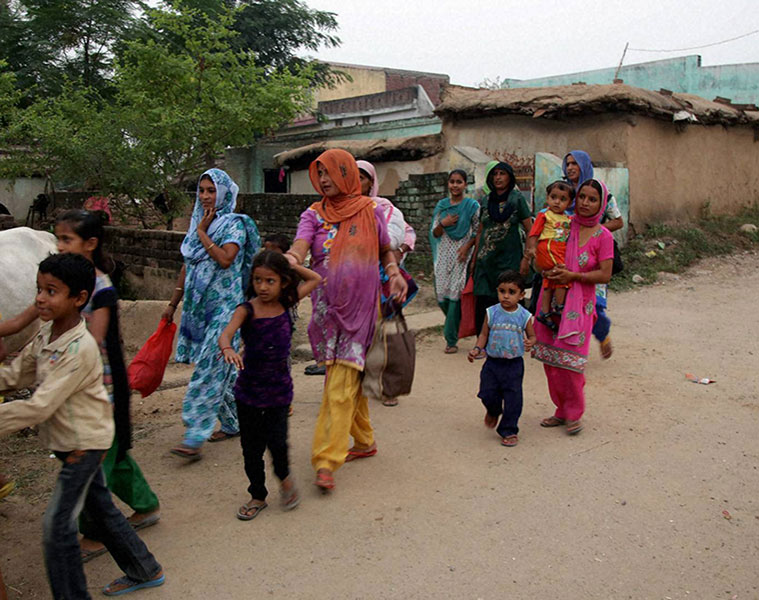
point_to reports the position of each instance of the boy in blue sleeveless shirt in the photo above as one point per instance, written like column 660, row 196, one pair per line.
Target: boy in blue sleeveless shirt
column 506, row 333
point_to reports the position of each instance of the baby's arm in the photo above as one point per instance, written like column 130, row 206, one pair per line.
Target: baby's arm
column 311, row 279
column 533, row 236
column 225, row 339
column 482, row 341
column 530, row 336
column 17, row 323
column 530, row 247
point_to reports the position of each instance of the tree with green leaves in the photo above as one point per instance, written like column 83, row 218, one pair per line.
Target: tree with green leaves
column 174, row 108
column 278, row 31
column 48, row 41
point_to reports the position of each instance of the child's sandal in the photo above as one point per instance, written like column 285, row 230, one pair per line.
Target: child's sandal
column 249, row 511
column 290, row 498
column 510, row 441
column 545, row 319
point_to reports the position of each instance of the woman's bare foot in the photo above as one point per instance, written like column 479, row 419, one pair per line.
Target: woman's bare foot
column 490, row 420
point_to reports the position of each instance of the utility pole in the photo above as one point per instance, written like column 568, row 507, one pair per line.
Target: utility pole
column 621, row 60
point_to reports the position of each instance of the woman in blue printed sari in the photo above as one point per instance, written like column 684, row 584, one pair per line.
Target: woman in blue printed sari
column 218, row 252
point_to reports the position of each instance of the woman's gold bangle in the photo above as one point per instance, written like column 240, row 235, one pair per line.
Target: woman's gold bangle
column 209, row 247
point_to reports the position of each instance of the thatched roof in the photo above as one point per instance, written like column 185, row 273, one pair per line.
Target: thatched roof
column 561, row 102
column 379, row 150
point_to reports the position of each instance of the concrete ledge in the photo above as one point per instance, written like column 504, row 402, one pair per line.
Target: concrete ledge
column 178, row 375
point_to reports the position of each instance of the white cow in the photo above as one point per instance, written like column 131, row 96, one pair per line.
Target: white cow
column 21, row 251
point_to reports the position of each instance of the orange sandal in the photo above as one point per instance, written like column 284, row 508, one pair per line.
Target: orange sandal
column 355, row 453
column 510, row 440
column 552, row 422
column 324, row 480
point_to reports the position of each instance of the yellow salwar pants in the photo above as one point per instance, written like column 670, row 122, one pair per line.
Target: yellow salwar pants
column 344, row 413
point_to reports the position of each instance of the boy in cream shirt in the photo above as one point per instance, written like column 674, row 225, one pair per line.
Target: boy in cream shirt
column 75, row 417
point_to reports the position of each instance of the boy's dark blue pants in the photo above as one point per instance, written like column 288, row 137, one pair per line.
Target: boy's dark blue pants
column 501, row 391
column 81, row 484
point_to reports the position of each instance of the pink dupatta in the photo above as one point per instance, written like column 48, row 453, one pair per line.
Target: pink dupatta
column 576, row 319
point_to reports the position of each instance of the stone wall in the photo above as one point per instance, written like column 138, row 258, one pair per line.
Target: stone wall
column 417, row 197
column 151, row 260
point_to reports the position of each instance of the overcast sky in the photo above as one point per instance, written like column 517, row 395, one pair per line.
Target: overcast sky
column 474, row 39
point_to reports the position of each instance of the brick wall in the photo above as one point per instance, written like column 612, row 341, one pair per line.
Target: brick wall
column 275, row 213
column 368, row 102
column 432, row 85
column 417, row 197
column 152, row 260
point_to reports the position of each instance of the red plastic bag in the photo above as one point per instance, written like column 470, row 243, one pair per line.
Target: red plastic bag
column 466, row 326
column 148, row 366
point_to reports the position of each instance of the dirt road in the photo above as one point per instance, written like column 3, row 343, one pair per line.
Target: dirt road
column 656, row 498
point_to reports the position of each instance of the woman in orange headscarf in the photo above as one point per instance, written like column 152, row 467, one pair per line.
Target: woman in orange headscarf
column 346, row 235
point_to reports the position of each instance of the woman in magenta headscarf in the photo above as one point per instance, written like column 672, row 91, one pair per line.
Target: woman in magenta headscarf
column 589, row 256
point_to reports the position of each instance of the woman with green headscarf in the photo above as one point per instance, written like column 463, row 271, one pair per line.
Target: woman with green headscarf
column 454, row 224
column 499, row 244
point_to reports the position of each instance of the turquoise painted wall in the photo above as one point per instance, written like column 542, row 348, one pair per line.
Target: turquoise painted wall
column 617, row 180
column 740, row 83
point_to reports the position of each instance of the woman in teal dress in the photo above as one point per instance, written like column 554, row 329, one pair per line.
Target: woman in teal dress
column 499, row 244
column 218, row 252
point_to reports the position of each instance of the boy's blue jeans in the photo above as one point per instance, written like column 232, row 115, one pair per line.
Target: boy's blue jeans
column 81, row 484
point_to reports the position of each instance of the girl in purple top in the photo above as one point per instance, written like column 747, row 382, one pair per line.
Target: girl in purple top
column 264, row 388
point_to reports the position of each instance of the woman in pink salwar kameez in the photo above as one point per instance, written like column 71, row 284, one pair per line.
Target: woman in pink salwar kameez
column 590, row 251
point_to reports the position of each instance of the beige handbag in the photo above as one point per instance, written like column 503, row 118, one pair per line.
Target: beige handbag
column 391, row 359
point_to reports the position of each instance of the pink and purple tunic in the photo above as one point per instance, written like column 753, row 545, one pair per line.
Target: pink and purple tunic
column 330, row 342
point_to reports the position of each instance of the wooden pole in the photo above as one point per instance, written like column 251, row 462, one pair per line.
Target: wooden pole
column 621, row 60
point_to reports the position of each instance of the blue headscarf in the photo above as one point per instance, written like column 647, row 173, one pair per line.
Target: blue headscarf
column 585, row 164
column 201, row 268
